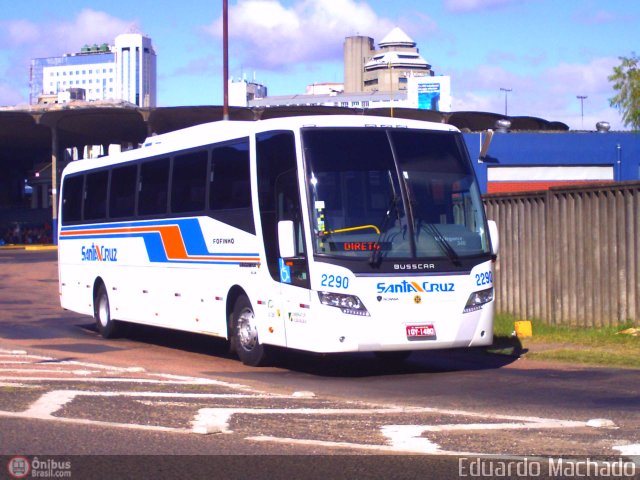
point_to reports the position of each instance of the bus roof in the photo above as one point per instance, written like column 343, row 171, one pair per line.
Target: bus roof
column 207, row 133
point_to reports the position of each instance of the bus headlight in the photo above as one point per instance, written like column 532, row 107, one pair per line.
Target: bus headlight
column 477, row 299
column 346, row 303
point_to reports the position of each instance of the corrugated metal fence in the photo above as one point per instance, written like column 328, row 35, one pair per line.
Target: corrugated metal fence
column 569, row 255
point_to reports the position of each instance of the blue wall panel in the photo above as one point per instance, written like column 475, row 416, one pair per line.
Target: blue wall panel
column 621, row 150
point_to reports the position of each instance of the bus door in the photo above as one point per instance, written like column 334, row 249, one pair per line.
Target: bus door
column 280, row 205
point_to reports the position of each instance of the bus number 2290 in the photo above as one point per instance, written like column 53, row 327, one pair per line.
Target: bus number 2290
column 334, row 281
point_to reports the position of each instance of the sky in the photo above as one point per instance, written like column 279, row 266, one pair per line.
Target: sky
column 546, row 52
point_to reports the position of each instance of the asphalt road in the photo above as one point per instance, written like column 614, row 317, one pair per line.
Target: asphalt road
column 170, row 398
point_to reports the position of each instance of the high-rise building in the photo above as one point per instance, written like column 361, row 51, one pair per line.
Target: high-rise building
column 126, row 71
column 387, row 69
column 357, row 52
column 135, row 69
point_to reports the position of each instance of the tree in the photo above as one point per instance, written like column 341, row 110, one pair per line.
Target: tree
column 626, row 78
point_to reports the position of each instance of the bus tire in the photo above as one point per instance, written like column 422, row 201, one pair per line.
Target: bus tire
column 245, row 341
column 107, row 327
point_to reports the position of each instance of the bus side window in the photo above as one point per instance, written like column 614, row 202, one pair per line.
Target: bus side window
column 95, row 195
column 122, row 191
column 188, row 182
column 230, row 185
column 154, row 185
column 72, row 199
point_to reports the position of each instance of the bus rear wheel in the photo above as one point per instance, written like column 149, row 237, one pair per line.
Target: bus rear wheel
column 245, row 334
column 107, row 327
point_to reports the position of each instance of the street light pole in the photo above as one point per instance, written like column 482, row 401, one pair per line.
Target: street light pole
column 506, row 92
column 225, row 60
column 582, row 99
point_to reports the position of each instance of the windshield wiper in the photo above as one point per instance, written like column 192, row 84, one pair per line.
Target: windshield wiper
column 376, row 254
column 443, row 243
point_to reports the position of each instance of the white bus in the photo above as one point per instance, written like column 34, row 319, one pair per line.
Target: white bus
column 319, row 233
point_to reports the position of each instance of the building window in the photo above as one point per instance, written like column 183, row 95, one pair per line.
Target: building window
column 365, row 104
column 344, row 104
column 355, row 104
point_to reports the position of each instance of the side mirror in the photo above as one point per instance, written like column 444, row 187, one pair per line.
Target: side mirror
column 286, row 239
column 494, row 238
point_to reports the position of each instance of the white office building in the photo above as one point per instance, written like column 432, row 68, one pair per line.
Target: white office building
column 135, row 69
column 126, row 71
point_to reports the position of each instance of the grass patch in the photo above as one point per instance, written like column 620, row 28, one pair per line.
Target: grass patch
column 594, row 346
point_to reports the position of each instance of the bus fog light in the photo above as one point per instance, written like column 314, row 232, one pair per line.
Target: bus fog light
column 346, row 303
column 478, row 299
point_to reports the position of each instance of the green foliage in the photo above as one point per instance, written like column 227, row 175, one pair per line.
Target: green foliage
column 626, row 82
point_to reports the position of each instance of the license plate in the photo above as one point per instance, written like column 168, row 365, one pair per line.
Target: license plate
column 421, row 332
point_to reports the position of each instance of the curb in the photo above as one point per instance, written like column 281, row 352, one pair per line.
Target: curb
column 29, row 247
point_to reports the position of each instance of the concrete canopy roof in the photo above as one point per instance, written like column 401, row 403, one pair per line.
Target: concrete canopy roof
column 27, row 133
column 96, row 126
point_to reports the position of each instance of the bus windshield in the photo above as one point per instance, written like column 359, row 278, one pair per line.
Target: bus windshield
column 381, row 193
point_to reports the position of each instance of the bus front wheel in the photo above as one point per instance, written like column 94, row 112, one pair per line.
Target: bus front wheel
column 107, row 327
column 245, row 334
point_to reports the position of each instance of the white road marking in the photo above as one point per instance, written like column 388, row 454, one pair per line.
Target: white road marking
column 217, row 419
column 152, row 381
column 327, row 444
column 400, row 438
column 408, row 438
column 46, row 370
column 631, row 450
column 17, row 385
column 49, row 403
column 12, row 353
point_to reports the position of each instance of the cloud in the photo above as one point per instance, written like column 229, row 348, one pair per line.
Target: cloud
column 56, row 38
column 590, row 16
column 464, row 6
column 20, row 32
column 91, row 26
column 21, row 40
column 551, row 94
column 267, row 34
column 590, row 78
